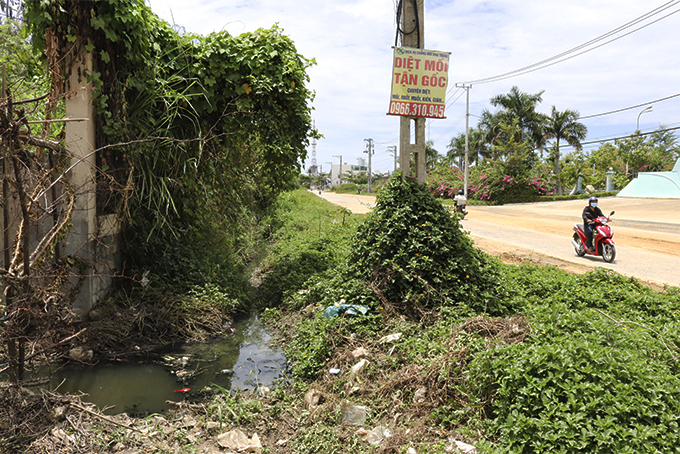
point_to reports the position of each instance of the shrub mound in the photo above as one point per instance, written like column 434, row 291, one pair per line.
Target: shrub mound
column 415, row 256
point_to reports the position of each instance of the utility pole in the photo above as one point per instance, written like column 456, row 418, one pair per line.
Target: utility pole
column 369, row 150
column 467, row 134
column 393, row 150
column 412, row 35
column 340, row 174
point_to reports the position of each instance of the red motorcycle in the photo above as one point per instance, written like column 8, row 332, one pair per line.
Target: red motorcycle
column 602, row 239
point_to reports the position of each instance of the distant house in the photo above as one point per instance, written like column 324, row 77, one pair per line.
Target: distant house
column 338, row 171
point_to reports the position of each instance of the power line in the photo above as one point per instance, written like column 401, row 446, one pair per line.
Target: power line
column 629, row 108
column 566, row 55
column 591, row 142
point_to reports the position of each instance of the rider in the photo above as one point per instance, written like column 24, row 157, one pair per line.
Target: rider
column 460, row 199
column 590, row 213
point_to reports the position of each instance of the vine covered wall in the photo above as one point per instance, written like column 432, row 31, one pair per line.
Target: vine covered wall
column 195, row 132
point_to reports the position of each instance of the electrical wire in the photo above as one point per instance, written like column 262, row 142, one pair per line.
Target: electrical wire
column 567, row 55
column 629, row 108
column 416, row 27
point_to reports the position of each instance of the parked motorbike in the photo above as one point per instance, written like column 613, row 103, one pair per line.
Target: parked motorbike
column 462, row 210
column 602, row 239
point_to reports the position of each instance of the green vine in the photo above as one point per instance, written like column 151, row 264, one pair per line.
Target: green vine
column 205, row 128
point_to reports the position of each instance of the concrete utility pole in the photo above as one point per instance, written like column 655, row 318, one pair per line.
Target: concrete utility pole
column 412, row 35
column 369, row 150
column 467, row 134
column 393, row 151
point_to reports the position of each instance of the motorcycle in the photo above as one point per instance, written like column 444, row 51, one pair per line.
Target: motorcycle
column 602, row 239
column 462, row 210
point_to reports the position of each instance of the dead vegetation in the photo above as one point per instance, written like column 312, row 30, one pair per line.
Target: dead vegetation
column 398, row 394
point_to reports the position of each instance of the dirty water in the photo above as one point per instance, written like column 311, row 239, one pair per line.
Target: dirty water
column 243, row 361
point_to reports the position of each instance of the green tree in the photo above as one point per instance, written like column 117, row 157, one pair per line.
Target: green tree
column 563, row 126
column 232, row 111
column 516, row 158
column 432, row 156
column 522, row 106
column 478, row 147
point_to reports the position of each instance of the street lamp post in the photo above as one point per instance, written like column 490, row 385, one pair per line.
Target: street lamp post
column 645, row 110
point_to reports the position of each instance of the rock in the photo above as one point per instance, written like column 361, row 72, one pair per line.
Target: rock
column 313, row 398
column 590, row 189
column 360, row 353
column 81, row 354
column 95, row 315
column 57, row 413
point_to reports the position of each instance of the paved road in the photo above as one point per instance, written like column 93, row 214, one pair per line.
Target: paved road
column 646, row 232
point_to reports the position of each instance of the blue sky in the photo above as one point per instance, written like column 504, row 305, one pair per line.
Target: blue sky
column 351, row 41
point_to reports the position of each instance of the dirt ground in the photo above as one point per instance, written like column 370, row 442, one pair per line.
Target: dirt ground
column 640, row 224
column 636, row 236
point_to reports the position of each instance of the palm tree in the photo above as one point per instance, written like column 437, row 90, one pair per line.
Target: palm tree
column 521, row 106
column 477, row 146
column 563, row 125
column 431, row 154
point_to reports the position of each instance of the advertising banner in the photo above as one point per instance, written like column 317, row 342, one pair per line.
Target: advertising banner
column 419, row 81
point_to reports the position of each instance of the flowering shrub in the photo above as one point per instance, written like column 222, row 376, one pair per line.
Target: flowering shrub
column 445, row 181
column 488, row 183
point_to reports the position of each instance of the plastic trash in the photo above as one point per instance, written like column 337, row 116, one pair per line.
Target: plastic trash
column 459, row 446
column 237, row 440
column 378, row 434
column 348, row 309
column 391, row 338
column 357, row 368
column 334, row 371
column 419, row 395
column 353, row 414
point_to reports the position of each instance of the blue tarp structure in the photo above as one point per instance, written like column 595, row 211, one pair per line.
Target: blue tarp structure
column 664, row 185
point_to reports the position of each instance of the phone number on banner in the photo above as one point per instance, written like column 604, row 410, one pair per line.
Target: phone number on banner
column 416, row 109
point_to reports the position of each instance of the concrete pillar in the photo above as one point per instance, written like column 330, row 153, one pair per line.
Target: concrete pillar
column 414, row 40
column 610, row 180
column 80, row 141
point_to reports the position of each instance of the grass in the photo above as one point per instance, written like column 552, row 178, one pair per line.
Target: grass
column 564, row 363
column 547, row 362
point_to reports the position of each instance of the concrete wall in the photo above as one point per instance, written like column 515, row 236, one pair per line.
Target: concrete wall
column 93, row 241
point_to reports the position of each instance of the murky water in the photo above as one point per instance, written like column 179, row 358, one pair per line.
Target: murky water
column 242, row 361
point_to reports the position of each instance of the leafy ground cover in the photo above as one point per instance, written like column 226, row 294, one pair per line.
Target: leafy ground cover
column 528, row 359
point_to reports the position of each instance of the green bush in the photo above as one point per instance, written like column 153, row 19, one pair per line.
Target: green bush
column 415, row 254
column 585, row 393
column 345, row 188
column 311, row 240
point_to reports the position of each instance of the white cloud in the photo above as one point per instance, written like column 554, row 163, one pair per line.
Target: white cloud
column 351, row 42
